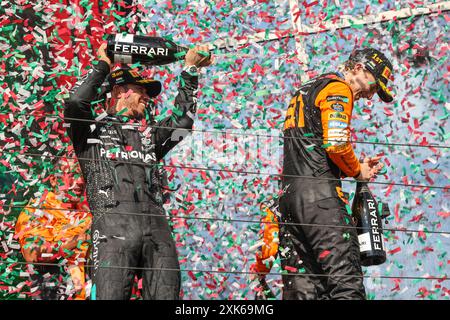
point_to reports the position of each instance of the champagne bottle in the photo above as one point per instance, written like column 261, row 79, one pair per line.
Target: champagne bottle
column 370, row 233
column 147, row 50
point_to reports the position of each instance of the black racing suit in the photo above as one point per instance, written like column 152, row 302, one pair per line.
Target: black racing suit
column 316, row 146
column 129, row 227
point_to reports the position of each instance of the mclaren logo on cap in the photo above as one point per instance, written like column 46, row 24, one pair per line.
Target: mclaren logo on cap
column 386, row 73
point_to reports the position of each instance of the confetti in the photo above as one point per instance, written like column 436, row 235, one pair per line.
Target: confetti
column 245, row 94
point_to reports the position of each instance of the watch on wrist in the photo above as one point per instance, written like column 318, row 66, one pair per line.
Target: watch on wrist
column 192, row 70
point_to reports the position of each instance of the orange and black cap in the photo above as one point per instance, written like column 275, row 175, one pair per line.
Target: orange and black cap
column 380, row 67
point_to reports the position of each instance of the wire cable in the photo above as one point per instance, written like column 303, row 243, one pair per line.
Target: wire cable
column 230, row 220
column 443, row 278
column 437, row 146
column 445, row 188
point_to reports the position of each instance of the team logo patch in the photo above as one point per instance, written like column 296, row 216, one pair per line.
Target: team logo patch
column 338, row 133
column 116, row 74
column 386, row 73
column 134, row 73
column 337, row 115
column 337, row 98
column 337, row 124
column 337, row 107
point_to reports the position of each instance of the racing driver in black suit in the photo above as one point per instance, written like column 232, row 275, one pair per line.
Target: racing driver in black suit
column 118, row 154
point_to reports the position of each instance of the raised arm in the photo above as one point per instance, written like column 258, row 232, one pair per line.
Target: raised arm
column 79, row 104
column 172, row 130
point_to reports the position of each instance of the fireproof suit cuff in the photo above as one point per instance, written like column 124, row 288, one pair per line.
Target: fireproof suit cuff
column 103, row 67
column 357, row 176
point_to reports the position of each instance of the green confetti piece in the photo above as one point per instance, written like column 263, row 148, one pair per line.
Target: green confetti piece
column 135, row 65
column 203, row 53
column 182, row 82
column 177, row 111
column 27, row 245
column 121, row 112
column 383, row 170
column 347, row 220
column 380, row 209
column 180, row 54
column 310, row 148
column 349, row 210
column 262, row 93
column 97, row 101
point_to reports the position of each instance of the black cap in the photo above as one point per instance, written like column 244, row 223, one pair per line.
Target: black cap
column 380, row 67
column 126, row 75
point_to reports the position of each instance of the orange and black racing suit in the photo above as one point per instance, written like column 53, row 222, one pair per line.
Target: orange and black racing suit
column 317, row 147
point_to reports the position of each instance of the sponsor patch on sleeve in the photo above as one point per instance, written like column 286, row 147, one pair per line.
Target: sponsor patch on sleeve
column 337, row 133
column 337, row 124
column 337, row 137
column 337, row 107
column 337, row 98
column 337, row 115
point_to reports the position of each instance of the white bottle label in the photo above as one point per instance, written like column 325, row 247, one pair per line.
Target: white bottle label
column 364, row 242
column 122, row 58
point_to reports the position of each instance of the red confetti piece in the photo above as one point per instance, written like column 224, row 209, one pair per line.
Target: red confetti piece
column 394, row 251
column 388, row 112
column 417, row 218
column 444, row 214
column 389, row 190
column 324, row 254
column 403, row 48
column 396, row 209
column 292, row 269
column 192, row 276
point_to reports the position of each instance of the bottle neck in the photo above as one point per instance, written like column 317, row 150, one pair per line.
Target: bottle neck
column 362, row 187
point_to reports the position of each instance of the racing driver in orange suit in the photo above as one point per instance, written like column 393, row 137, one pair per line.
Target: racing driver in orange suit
column 317, row 148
